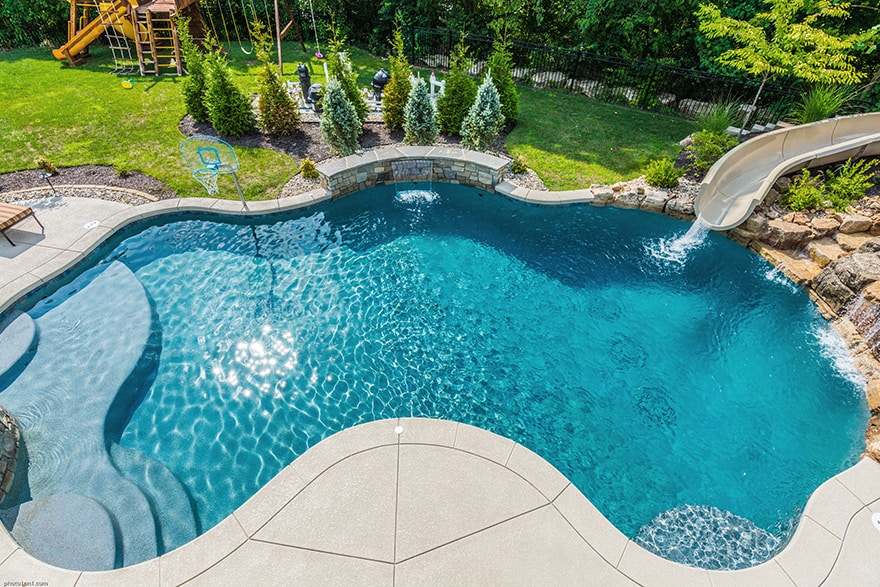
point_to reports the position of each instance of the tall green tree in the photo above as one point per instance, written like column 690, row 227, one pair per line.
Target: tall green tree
column 419, row 125
column 458, row 93
column 229, row 109
column 340, row 126
column 484, row 120
column 279, row 114
column 785, row 40
column 397, row 91
column 500, row 63
column 339, row 66
column 195, row 83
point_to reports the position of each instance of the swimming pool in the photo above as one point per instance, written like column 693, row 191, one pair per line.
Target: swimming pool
column 684, row 392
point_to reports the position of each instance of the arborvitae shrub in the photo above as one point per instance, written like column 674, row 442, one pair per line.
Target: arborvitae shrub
column 419, row 124
column 279, row 114
column 339, row 66
column 340, row 125
column 229, row 109
column 459, row 93
column 194, row 84
column 484, row 119
column 397, row 91
column 500, row 63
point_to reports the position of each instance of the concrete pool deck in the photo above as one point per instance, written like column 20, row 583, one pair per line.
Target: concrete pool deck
column 439, row 503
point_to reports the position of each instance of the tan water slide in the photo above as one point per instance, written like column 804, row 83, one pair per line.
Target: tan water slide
column 739, row 181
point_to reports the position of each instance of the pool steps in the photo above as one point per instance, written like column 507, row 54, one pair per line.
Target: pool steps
column 77, row 405
column 17, row 336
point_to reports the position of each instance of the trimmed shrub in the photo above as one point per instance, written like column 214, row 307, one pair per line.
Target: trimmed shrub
column 518, row 165
column 500, row 63
column 308, row 169
column 662, row 173
column 484, row 119
column 459, row 93
column 339, row 66
column 340, row 125
column 195, row 83
column 804, row 193
column 46, row 165
column 397, row 91
column 229, row 109
column 278, row 113
column 419, row 124
column 708, row 148
column 848, row 183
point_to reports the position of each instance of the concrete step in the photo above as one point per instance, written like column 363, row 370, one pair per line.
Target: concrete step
column 169, row 500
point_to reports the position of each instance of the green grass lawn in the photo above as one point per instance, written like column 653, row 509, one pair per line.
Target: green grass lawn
column 572, row 141
column 83, row 115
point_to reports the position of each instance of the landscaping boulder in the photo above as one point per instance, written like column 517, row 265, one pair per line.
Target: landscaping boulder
column 823, row 226
column 628, row 199
column 850, row 223
column 785, row 235
column 832, row 291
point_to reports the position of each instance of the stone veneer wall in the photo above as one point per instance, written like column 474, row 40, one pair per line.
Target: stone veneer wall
column 9, row 438
column 451, row 165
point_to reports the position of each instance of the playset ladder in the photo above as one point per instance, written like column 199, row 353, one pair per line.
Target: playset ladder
column 158, row 48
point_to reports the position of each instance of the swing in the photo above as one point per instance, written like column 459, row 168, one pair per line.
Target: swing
column 235, row 27
column 315, row 28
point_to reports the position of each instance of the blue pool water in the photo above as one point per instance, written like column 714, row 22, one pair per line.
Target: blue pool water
column 681, row 399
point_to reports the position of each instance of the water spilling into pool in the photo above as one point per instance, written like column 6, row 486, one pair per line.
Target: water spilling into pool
column 710, row 400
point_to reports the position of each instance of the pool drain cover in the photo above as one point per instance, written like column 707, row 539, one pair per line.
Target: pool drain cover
column 91, row 225
column 875, row 517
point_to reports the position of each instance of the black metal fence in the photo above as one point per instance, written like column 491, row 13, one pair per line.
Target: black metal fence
column 638, row 84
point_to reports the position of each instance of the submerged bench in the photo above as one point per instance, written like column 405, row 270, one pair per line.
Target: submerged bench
column 10, row 215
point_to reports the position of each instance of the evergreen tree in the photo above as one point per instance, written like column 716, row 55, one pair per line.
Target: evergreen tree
column 340, row 125
column 279, row 114
column 500, row 63
column 339, row 66
column 419, row 124
column 397, row 91
column 229, row 109
column 194, row 84
column 484, row 120
column 458, row 94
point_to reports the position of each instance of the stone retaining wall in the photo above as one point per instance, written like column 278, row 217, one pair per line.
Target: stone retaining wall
column 9, row 438
column 371, row 168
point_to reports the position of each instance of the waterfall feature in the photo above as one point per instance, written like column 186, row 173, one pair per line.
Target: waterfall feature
column 676, row 249
column 865, row 316
column 407, row 173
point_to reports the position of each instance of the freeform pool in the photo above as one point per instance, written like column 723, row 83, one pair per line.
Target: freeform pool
column 705, row 396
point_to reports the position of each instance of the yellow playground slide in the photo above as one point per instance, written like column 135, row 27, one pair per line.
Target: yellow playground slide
column 111, row 13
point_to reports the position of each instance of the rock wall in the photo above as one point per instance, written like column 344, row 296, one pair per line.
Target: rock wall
column 362, row 171
column 9, row 438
